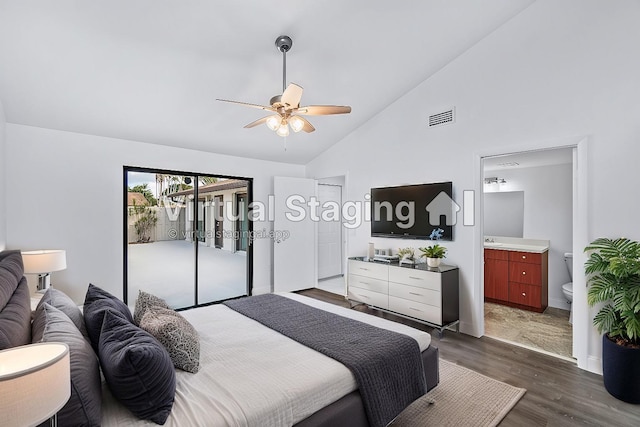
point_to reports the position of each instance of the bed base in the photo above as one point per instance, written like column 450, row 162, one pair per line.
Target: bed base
column 348, row 411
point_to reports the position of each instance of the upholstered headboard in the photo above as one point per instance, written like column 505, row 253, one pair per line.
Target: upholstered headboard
column 15, row 302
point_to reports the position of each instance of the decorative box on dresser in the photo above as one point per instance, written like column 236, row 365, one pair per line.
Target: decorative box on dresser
column 427, row 295
column 517, row 276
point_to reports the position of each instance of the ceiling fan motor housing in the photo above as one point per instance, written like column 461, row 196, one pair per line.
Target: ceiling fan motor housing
column 284, row 43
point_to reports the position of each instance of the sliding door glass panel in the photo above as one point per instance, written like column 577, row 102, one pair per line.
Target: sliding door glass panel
column 160, row 237
column 222, row 262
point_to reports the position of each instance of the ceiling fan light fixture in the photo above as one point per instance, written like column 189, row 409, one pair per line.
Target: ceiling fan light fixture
column 285, row 108
column 283, row 130
column 296, row 123
column 273, row 122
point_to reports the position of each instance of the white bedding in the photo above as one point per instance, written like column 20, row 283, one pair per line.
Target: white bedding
column 253, row 376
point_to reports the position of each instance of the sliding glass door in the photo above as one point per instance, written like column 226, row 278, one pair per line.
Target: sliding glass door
column 181, row 237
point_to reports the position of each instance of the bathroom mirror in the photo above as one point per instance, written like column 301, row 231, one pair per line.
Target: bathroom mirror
column 504, row 214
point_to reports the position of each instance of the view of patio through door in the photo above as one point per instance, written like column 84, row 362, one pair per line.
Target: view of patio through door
column 186, row 236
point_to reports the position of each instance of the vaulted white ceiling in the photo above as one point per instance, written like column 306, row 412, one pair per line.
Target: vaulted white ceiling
column 150, row 71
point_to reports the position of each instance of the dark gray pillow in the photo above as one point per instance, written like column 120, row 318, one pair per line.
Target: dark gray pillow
column 11, row 272
column 62, row 302
column 176, row 334
column 137, row 368
column 15, row 318
column 84, row 407
column 144, row 302
column 96, row 303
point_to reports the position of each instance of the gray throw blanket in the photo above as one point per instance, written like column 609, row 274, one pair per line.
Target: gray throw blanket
column 386, row 365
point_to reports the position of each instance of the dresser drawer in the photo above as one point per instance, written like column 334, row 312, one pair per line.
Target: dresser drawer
column 412, row 293
column 528, row 257
column 418, row 310
column 530, row 274
column 413, row 277
column 369, row 269
column 369, row 297
column 375, row 285
column 528, row 295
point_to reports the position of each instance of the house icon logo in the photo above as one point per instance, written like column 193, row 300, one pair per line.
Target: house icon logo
column 442, row 204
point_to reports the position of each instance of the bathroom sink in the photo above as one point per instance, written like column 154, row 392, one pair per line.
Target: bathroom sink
column 492, row 244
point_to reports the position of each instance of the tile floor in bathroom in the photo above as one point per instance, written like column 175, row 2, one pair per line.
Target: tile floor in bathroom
column 549, row 331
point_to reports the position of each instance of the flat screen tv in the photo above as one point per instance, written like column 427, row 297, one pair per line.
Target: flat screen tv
column 413, row 211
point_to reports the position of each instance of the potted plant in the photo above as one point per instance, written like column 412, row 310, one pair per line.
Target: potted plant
column 407, row 255
column 613, row 270
column 434, row 253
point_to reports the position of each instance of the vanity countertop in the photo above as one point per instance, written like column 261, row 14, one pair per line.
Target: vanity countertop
column 516, row 244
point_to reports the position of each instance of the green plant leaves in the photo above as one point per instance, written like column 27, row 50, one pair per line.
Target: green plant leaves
column 613, row 270
column 435, row 251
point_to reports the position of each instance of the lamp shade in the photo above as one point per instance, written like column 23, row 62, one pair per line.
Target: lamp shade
column 35, row 383
column 47, row 261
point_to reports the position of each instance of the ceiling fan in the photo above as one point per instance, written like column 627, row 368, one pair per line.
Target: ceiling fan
column 287, row 109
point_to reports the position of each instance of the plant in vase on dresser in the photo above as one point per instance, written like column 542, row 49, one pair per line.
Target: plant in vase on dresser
column 434, row 253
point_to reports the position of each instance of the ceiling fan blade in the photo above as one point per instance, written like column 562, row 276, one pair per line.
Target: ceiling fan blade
column 257, row 122
column 323, row 110
column 308, row 127
column 246, row 104
column 292, row 95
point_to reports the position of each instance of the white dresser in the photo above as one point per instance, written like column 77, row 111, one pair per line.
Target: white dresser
column 427, row 295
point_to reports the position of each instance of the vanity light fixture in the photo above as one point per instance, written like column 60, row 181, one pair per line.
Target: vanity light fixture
column 494, row 180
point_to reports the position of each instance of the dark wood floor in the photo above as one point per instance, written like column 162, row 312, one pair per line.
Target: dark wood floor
column 558, row 393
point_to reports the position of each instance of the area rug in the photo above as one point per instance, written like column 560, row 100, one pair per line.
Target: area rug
column 463, row 398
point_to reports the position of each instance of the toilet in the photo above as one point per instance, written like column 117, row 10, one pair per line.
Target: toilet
column 567, row 288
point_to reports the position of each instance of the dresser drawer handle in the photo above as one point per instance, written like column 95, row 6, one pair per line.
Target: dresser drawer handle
column 362, row 268
column 413, row 293
column 524, row 273
column 415, row 278
column 415, row 309
column 524, row 257
column 524, row 294
column 363, row 296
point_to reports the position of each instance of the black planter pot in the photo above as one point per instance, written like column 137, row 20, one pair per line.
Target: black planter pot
column 621, row 370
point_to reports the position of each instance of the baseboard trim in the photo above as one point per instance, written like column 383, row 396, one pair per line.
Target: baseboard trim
column 594, row 364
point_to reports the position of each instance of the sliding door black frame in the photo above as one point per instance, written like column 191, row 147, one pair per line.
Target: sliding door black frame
column 196, row 175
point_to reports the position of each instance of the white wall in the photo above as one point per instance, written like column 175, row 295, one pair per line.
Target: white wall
column 3, row 169
column 65, row 191
column 558, row 70
column 548, row 215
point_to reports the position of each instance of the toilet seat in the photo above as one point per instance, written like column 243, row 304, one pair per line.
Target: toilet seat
column 568, row 287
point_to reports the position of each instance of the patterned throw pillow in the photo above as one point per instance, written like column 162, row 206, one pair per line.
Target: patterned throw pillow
column 144, row 302
column 176, row 334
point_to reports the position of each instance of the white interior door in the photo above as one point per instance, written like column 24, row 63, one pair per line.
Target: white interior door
column 329, row 234
column 294, row 255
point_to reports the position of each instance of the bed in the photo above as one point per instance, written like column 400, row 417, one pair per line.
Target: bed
column 251, row 375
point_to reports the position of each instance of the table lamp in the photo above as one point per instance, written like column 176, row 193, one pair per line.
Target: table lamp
column 43, row 263
column 35, row 383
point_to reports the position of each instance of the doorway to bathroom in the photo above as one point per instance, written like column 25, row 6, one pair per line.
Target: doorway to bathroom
column 527, row 211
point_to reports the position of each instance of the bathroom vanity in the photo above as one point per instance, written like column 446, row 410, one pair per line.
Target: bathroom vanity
column 516, row 272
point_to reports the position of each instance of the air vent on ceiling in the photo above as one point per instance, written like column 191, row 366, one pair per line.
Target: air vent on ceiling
column 442, row 118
